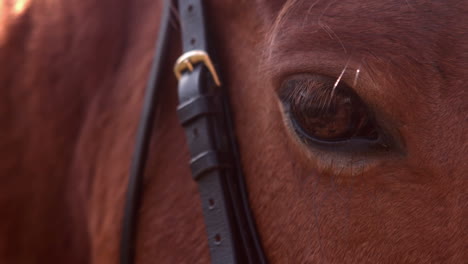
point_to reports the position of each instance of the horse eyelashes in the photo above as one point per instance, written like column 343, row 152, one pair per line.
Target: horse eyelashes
column 319, row 111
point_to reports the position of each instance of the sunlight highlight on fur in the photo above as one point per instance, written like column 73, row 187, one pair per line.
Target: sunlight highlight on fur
column 19, row 6
column 9, row 11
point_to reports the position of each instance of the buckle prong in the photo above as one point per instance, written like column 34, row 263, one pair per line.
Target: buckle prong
column 188, row 59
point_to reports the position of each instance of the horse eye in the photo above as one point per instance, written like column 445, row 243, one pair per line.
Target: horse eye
column 319, row 111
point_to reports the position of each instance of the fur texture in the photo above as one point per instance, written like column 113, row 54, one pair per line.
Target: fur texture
column 73, row 76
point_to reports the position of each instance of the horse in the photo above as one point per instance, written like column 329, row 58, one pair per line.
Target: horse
column 350, row 118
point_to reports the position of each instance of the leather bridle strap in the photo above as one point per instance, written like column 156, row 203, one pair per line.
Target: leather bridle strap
column 140, row 155
column 204, row 114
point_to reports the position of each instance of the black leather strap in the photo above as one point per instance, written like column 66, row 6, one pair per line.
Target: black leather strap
column 140, row 155
column 192, row 21
column 203, row 105
column 204, row 114
column 208, row 161
column 215, row 163
column 203, row 138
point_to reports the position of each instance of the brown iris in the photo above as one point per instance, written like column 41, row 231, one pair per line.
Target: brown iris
column 323, row 112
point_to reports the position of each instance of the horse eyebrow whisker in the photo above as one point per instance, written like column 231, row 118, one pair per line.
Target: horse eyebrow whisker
column 308, row 13
column 409, row 5
column 356, row 76
column 338, row 81
column 287, row 6
column 332, row 34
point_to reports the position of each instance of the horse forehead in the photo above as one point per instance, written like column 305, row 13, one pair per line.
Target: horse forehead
column 427, row 32
column 416, row 24
column 355, row 19
column 428, row 36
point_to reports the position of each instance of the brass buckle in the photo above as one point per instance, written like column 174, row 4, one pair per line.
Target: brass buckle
column 188, row 59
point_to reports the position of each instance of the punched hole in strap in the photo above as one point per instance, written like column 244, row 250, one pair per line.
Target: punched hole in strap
column 206, row 162
column 202, row 105
column 217, row 239
column 211, row 203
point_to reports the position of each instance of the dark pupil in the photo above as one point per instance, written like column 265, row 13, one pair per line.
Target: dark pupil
column 328, row 114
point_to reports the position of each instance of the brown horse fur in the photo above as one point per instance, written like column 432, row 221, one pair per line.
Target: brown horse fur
column 72, row 81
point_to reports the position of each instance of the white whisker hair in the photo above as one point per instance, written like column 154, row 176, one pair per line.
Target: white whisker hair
column 356, row 76
column 338, row 81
